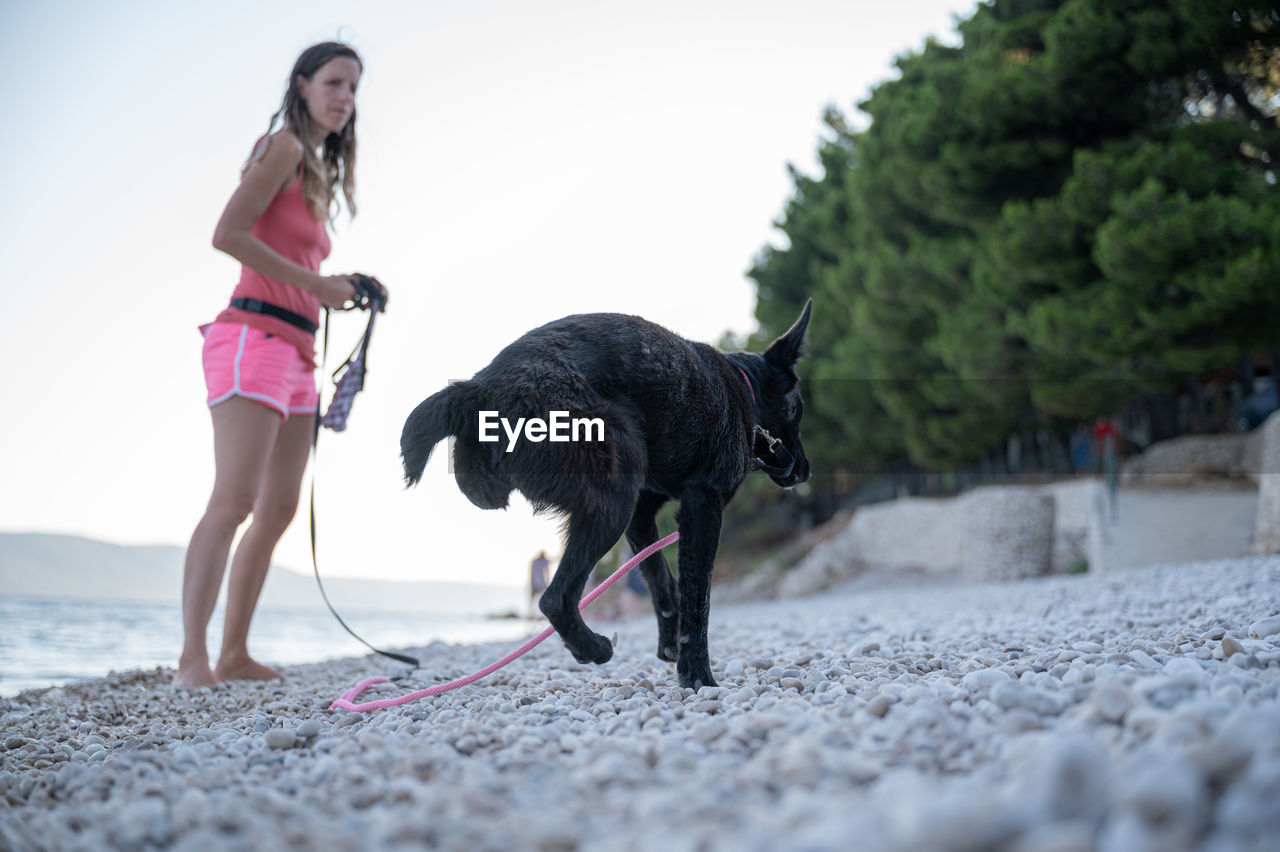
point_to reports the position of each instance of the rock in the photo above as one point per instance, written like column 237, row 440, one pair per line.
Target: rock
column 1165, row 789
column 1019, row 720
column 191, row 806
column 1129, row 833
column 1230, row 647
column 280, row 738
column 309, row 728
column 709, row 731
column 1062, row 836
column 1011, row 695
column 1143, row 659
column 984, row 678
column 1183, row 459
column 1186, row 671
column 1074, row 782
column 1112, row 699
column 1265, row 627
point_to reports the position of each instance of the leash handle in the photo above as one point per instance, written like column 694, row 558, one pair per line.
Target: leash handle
column 347, row 701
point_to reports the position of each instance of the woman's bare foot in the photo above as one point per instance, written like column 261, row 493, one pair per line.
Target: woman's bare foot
column 194, row 676
column 243, row 668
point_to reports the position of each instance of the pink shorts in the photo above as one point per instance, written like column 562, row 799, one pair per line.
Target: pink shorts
column 240, row 360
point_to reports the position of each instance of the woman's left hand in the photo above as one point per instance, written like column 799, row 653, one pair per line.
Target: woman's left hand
column 373, row 293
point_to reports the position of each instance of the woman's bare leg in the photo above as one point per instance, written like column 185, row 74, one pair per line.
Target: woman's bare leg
column 273, row 511
column 244, row 433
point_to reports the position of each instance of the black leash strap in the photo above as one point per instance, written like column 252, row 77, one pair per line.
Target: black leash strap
column 315, row 562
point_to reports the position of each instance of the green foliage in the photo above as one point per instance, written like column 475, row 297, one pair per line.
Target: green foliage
column 1077, row 205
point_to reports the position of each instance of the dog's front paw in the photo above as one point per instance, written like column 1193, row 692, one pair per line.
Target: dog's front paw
column 696, row 682
column 594, row 649
column 695, row 671
column 668, row 651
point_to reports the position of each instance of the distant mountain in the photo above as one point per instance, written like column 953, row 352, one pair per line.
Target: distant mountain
column 38, row 565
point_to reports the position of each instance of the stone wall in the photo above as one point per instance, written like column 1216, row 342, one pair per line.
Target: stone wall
column 1266, row 531
column 1195, row 458
column 991, row 532
column 914, row 532
column 1003, row 532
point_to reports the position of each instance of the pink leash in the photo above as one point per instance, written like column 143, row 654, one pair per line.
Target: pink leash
column 345, row 702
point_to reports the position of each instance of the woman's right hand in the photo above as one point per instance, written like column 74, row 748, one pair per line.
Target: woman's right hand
column 334, row 291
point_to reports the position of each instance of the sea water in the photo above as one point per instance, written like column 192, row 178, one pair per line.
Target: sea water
column 55, row 642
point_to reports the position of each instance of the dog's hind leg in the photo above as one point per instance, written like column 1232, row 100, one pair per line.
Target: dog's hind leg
column 701, row 511
column 591, row 535
column 596, row 486
column 642, row 532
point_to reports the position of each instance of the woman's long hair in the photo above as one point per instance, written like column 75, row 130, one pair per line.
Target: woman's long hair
column 321, row 173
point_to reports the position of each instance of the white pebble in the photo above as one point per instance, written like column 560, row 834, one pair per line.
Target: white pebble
column 1112, row 699
column 1265, row 627
column 280, row 738
column 986, row 678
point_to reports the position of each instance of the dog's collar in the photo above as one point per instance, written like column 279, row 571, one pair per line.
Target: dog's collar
column 750, row 389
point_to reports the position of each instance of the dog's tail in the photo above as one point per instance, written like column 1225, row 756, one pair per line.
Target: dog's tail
column 435, row 418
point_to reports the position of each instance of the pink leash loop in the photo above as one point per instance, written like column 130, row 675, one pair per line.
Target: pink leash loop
column 347, row 699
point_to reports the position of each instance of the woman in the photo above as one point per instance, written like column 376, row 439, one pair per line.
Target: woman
column 259, row 353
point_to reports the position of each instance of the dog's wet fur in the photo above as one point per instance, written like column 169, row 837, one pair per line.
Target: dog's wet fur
column 678, row 425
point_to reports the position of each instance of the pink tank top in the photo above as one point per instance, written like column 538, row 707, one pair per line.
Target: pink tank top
column 288, row 227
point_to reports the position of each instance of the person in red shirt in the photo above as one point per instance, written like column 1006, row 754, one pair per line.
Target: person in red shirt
column 259, row 353
column 1107, row 438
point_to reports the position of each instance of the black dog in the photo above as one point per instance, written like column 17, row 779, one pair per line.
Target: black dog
column 680, row 420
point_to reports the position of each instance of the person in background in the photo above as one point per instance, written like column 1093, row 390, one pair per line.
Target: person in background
column 259, row 353
column 1107, row 438
column 1082, row 449
column 538, row 578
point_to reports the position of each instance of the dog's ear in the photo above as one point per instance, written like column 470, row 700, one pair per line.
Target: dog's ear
column 786, row 350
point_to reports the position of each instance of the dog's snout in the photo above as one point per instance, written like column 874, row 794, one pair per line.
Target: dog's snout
column 800, row 472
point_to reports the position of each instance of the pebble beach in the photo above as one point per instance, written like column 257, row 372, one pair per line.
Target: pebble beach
column 1122, row 712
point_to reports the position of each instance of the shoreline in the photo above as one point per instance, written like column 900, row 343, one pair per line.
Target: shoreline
column 48, row 645
column 1117, row 711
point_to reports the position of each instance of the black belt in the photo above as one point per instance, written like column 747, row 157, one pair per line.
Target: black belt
column 257, row 306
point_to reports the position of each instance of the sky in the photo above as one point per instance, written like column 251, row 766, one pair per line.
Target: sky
column 518, row 162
